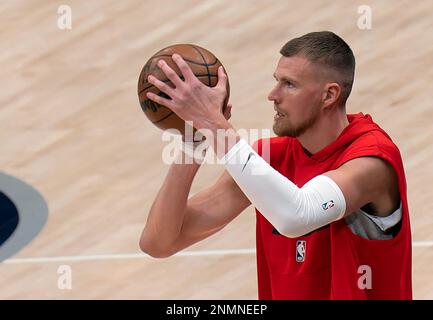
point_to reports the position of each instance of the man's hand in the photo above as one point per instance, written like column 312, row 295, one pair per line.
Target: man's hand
column 191, row 100
column 196, row 136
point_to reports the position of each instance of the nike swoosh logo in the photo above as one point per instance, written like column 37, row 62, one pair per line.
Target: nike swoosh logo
column 248, row 159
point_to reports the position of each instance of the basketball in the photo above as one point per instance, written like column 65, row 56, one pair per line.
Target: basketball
column 203, row 64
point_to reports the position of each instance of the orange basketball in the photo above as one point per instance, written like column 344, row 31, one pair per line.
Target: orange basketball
column 202, row 63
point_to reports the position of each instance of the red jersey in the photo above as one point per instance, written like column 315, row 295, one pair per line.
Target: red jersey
column 332, row 262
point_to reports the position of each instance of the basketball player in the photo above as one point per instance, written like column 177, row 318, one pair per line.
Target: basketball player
column 331, row 203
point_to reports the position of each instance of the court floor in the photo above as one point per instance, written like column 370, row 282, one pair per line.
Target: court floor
column 72, row 128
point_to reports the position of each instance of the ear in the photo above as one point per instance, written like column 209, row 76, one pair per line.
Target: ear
column 331, row 94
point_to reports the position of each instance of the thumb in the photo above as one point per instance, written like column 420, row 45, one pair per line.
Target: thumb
column 222, row 79
column 228, row 111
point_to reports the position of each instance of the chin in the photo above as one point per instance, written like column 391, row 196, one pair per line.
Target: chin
column 281, row 131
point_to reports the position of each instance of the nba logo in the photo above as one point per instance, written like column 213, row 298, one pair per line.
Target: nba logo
column 301, row 247
column 328, row 205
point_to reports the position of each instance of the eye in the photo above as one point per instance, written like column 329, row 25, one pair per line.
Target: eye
column 288, row 84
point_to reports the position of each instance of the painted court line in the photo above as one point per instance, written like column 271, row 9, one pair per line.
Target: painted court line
column 128, row 256
column 249, row 251
column 422, row 244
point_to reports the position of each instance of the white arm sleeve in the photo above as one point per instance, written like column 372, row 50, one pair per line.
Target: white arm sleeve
column 293, row 211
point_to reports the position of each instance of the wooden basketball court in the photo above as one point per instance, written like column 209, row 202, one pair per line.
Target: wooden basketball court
column 72, row 127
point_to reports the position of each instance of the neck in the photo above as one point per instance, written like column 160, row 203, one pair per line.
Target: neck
column 324, row 131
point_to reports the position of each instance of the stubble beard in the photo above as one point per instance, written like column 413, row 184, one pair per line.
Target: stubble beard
column 283, row 127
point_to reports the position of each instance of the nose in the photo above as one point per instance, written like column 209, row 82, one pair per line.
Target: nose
column 272, row 96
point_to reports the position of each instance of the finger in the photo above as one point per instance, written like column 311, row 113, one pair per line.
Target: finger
column 222, row 79
column 228, row 111
column 184, row 68
column 170, row 73
column 160, row 100
column 228, row 107
column 163, row 87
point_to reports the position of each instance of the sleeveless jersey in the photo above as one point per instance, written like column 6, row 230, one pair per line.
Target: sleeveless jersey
column 333, row 262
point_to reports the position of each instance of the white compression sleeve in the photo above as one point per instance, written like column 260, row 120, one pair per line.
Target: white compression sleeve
column 293, row 211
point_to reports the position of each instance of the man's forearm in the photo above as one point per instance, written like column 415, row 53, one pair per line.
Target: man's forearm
column 168, row 210
column 222, row 136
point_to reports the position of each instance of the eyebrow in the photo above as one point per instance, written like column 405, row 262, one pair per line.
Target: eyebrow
column 285, row 79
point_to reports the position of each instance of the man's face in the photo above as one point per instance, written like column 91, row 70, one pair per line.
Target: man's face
column 296, row 96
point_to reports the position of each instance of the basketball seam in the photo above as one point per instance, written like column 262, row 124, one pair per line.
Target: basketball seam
column 163, row 118
column 165, row 81
column 205, row 62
